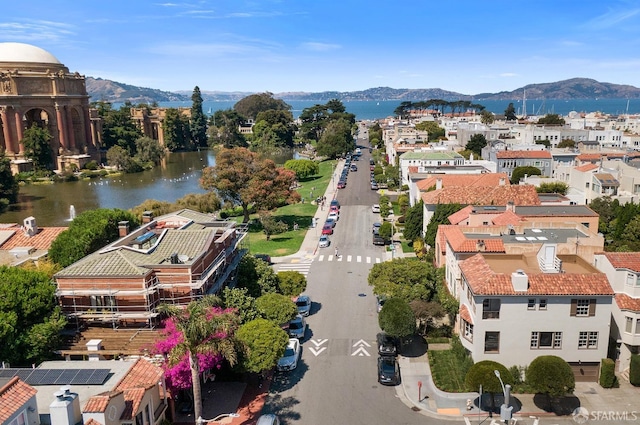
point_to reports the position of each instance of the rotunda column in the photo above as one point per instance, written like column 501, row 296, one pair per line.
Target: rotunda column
column 19, row 130
column 89, row 145
column 62, row 133
column 6, row 131
column 70, row 131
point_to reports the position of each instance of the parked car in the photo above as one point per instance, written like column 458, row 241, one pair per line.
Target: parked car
column 334, row 208
column 353, row 167
column 268, row 419
column 289, row 359
column 342, row 184
column 377, row 240
column 375, row 229
column 324, row 241
column 333, row 215
column 304, row 305
column 327, row 229
column 335, row 202
column 264, row 257
column 331, row 221
column 388, row 370
column 297, row 327
column 375, row 208
column 386, row 345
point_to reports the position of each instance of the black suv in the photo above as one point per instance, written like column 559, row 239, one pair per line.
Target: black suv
column 386, row 345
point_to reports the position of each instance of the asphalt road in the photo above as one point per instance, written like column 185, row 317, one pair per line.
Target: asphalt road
column 336, row 379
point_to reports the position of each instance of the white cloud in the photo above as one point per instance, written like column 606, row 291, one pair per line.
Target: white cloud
column 320, row 47
column 611, row 18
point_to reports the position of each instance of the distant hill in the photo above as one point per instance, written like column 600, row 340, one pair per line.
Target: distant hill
column 575, row 88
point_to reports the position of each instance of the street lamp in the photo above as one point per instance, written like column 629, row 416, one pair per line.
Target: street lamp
column 505, row 409
column 201, row 421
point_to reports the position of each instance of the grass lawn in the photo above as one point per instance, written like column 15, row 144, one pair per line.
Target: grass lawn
column 302, row 213
column 447, row 371
column 406, row 247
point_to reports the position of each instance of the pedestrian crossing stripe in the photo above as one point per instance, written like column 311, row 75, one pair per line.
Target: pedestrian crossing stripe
column 348, row 258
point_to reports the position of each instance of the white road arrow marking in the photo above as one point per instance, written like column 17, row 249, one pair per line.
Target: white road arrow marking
column 361, row 352
column 361, row 343
column 318, row 342
column 318, row 351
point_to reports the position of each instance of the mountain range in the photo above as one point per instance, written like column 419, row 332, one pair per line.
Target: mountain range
column 574, row 88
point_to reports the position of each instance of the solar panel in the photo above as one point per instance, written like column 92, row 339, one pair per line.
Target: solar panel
column 82, row 377
column 35, row 376
column 51, row 376
column 23, row 374
column 66, row 377
column 98, row 377
column 8, row 373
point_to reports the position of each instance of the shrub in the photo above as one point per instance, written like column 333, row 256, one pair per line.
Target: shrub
column 634, row 370
column 551, row 375
column 483, row 373
column 607, row 373
column 91, row 165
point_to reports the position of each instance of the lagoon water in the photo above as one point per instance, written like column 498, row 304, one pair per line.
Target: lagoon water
column 180, row 172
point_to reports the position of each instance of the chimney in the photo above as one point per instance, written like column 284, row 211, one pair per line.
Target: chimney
column 502, row 181
column 93, row 347
column 123, row 228
column 29, row 226
column 520, row 281
column 511, row 206
column 480, row 245
column 65, row 409
column 147, row 217
column 439, row 183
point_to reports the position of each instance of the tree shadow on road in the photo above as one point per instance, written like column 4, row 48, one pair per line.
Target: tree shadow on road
column 413, row 346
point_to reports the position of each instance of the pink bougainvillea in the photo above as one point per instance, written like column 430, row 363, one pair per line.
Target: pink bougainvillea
column 179, row 375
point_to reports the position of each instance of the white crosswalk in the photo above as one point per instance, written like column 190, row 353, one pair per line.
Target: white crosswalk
column 302, row 267
column 349, row 258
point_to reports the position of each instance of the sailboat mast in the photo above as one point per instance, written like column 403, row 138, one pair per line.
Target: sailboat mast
column 524, row 103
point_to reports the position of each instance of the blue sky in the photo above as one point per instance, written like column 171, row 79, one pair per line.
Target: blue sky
column 300, row 45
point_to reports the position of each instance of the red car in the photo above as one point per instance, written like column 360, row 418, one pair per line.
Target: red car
column 342, row 184
column 327, row 229
column 334, row 208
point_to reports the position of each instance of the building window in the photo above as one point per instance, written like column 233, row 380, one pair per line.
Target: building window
column 531, row 304
column 588, row 340
column 637, row 326
column 543, row 304
column 628, row 327
column 583, row 307
column 492, row 342
column 491, row 308
column 546, row 340
column 100, row 301
column 467, row 330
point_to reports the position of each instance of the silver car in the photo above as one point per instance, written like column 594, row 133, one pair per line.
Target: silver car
column 324, row 241
column 297, row 327
column 304, row 305
column 289, row 360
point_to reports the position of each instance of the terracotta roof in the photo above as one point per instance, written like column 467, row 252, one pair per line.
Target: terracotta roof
column 132, row 399
column 487, row 179
column 99, row 402
column 484, row 281
column 587, row 167
column 507, row 217
column 92, row 422
column 625, row 302
column 461, row 215
column 465, row 314
column 413, row 169
column 523, row 154
column 143, row 374
column 13, row 396
column 41, row 240
column 460, row 243
column 483, row 195
column 624, row 260
column 588, row 157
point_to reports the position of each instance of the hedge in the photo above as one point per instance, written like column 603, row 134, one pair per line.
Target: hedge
column 607, row 373
column 634, row 370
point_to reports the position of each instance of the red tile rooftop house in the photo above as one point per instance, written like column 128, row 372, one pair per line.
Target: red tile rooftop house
column 175, row 259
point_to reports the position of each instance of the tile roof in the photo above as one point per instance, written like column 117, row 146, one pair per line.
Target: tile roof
column 487, row 179
column 41, row 240
column 483, row 195
column 92, row 421
column 507, row 217
column 587, row 167
column 465, row 314
column 13, row 396
column 484, row 281
column 523, row 154
column 143, row 374
column 625, row 302
column 461, row 215
column 588, row 157
column 99, row 402
column 460, row 243
column 132, row 399
column 624, row 260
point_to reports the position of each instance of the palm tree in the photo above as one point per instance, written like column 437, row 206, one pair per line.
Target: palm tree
column 206, row 330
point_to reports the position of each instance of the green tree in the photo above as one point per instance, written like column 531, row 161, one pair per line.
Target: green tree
column 119, row 157
column 242, row 178
column 37, row 148
column 551, row 119
column 519, row 173
column 202, row 202
column 198, row 124
column 291, row 283
column 553, row 187
column 404, row 278
column 413, row 222
column 264, row 343
column 206, row 329
column 176, row 131
column 252, row 105
column 425, row 312
column 476, row 143
column 30, row 320
column 224, row 129
column 273, row 128
column 551, row 375
column 567, row 143
column 271, row 226
column 605, row 208
column 385, row 231
column 487, row 117
column 8, row 184
column 88, row 232
column 277, row 308
column 483, row 373
column 397, row 319
column 631, row 235
column 148, row 150
column 435, row 132
column 302, row 167
column 440, row 216
column 240, row 300
column 545, row 142
column 336, row 139
column 510, row 113
column 118, row 128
